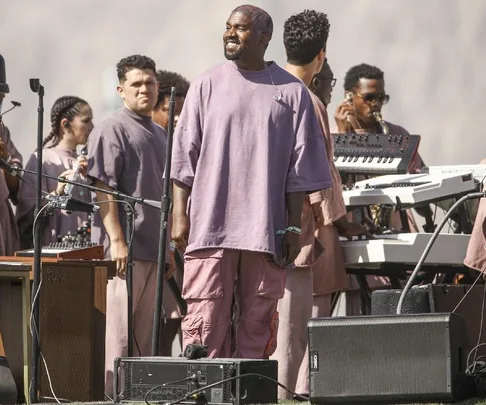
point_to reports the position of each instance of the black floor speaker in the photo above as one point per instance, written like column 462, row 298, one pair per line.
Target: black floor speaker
column 169, row 379
column 388, row 359
column 439, row 298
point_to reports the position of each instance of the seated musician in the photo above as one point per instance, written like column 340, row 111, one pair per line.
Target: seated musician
column 360, row 112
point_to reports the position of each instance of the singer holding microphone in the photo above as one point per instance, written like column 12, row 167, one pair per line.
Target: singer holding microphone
column 72, row 122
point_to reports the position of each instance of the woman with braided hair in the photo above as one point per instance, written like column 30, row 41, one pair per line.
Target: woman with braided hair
column 71, row 124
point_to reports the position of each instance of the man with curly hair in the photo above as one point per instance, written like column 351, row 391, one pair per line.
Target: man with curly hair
column 247, row 149
column 305, row 39
column 166, row 81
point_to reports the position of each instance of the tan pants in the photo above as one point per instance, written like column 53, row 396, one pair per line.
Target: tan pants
column 144, row 289
column 295, row 309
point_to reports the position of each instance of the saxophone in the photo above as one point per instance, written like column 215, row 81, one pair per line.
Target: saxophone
column 380, row 215
column 381, row 121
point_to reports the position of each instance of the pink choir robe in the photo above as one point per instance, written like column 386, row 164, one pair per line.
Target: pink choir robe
column 476, row 250
column 56, row 160
column 319, row 272
column 9, row 233
column 241, row 149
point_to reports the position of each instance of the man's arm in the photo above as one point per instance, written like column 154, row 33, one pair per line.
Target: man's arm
column 111, row 221
column 10, row 152
column 291, row 240
column 180, row 220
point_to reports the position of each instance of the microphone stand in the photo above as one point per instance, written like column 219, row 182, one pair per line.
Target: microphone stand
column 129, row 208
column 426, row 251
column 164, row 217
column 36, row 87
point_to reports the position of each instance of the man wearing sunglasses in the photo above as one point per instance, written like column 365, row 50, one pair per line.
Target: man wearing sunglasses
column 364, row 92
column 322, row 83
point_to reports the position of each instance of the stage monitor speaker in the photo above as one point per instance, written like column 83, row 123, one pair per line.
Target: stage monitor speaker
column 388, row 359
column 137, row 376
column 438, row 298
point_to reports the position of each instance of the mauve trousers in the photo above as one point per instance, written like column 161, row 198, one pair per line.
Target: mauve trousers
column 211, row 277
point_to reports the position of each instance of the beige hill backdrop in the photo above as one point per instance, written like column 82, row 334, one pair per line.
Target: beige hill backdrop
column 432, row 52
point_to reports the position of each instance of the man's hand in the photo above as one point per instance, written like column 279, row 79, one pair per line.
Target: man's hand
column 318, row 215
column 345, row 118
column 119, row 254
column 180, row 231
column 3, row 150
column 83, row 164
column 355, row 229
column 290, row 248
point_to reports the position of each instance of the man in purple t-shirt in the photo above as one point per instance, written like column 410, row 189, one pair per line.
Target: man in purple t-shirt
column 247, row 148
column 127, row 153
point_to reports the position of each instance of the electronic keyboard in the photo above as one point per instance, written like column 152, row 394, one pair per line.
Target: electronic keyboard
column 375, row 154
column 409, row 189
column 406, row 248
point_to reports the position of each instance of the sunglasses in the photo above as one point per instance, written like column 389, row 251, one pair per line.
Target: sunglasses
column 370, row 98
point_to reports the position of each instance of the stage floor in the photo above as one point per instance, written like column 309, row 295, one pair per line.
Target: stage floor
column 479, row 401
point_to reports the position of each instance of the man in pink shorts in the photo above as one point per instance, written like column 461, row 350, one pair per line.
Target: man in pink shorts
column 247, row 149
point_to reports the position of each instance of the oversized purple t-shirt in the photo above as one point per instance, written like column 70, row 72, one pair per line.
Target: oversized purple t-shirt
column 241, row 151
column 127, row 152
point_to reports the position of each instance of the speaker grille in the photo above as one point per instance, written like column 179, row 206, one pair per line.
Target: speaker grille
column 388, row 357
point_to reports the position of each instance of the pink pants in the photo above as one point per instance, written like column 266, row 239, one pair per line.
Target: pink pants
column 144, row 289
column 211, row 276
column 296, row 308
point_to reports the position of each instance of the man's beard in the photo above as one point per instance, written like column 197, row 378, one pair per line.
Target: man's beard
column 233, row 55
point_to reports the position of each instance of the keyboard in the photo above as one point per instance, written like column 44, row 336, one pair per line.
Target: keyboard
column 62, row 250
column 478, row 171
column 374, row 154
column 406, row 248
column 410, row 189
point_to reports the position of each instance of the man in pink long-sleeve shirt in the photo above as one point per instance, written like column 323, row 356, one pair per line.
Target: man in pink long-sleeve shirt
column 305, row 38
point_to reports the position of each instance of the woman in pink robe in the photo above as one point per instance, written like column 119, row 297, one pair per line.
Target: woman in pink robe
column 71, row 119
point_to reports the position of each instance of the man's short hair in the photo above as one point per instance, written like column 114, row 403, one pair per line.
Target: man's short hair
column 166, row 81
column 133, row 62
column 305, row 34
column 363, row 71
column 258, row 16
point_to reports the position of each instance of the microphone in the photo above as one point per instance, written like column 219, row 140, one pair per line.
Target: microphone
column 68, row 203
column 15, row 104
column 153, row 203
column 14, row 170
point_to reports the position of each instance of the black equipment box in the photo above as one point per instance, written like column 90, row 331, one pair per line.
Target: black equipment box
column 137, row 376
